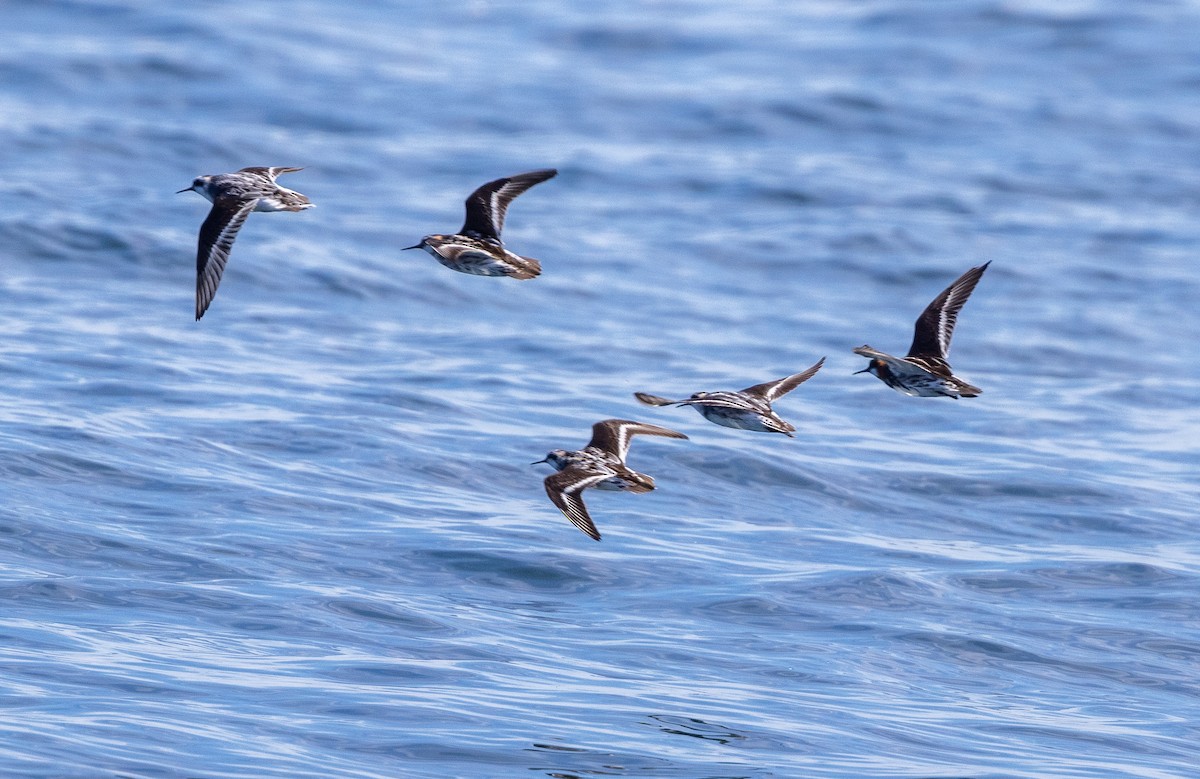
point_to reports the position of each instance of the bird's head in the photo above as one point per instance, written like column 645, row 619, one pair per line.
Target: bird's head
column 199, row 184
column 875, row 367
column 556, row 457
column 424, row 242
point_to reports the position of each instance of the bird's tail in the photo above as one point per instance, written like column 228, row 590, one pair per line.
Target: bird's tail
column 968, row 391
column 529, row 269
column 641, row 484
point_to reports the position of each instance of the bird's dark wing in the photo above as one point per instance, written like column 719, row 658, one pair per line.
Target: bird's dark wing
column 216, row 240
column 487, row 205
column 269, row 173
column 653, row 400
column 935, row 326
column 613, row 435
column 771, row 390
column 564, row 490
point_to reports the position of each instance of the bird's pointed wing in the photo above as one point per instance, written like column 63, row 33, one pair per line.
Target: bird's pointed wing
column 868, row 352
column 269, row 173
column 935, row 326
column 613, row 435
column 487, row 205
column 216, row 240
column 653, row 400
column 564, row 487
column 771, row 390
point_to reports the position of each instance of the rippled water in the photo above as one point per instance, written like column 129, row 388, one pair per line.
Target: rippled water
column 301, row 538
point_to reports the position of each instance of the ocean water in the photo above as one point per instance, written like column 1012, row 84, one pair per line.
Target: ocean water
column 302, row 537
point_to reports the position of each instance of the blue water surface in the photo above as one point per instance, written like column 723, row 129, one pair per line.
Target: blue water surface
column 302, row 538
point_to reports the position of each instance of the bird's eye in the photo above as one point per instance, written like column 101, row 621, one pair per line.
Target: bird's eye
column 197, row 182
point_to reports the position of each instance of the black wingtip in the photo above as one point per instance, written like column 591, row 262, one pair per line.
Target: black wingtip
column 541, row 174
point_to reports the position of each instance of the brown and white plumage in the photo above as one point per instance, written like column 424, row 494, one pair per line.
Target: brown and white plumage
column 234, row 196
column 564, row 490
column 600, row 464
column 748, row 409
column 925, row 371
column 477, row 248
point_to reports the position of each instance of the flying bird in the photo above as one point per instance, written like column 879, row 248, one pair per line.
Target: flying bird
column 477, row 248
column 748, row 409
column 600, row 464
column 924, row 372
column 234, row 196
